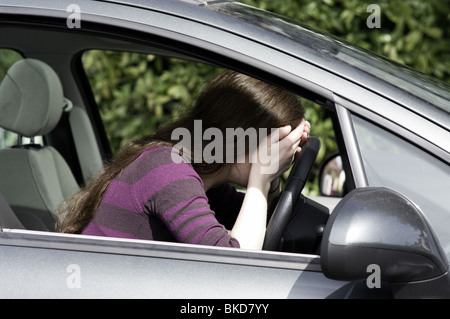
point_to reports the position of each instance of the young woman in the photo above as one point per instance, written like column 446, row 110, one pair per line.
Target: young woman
column 153, row 190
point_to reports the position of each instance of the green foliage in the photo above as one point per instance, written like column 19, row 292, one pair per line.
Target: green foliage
column 413, row 32
column 7, row 58
column 137, row 93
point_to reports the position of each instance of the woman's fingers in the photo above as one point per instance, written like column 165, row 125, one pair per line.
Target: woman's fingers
column 282, row 133
column 306, row 131
column 300, row 133
column 278, row 150
column 307, row 125
column 293, row 139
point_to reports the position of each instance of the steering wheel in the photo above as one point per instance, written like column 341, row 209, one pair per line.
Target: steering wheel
column 291, row 192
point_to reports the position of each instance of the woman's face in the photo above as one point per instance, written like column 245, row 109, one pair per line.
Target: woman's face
column 239, row 173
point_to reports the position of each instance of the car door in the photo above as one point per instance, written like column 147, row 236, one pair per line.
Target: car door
column 67, row 266
column 50, row 265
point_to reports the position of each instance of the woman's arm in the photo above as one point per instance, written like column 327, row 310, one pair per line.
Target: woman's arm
column 250, row 225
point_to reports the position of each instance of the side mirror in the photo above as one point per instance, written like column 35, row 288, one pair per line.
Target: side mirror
column 332, row 177
column 378, row 226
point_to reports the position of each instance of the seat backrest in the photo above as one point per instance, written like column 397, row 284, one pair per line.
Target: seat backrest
column 86, row 145
column 7, row 217
column 34, row 180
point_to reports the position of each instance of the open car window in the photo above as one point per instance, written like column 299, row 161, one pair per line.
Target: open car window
column 136, row 93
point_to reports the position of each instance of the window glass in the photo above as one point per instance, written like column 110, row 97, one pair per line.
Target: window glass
column 393, row 162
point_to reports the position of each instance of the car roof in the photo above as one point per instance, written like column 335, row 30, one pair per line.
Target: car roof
column 413, row 90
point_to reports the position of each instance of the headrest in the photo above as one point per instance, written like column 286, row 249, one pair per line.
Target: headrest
column 31, row 98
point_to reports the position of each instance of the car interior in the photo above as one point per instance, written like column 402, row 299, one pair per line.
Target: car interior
column 47, row 94
column 33, row 93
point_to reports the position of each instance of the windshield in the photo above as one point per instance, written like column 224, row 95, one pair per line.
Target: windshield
column 411, row 81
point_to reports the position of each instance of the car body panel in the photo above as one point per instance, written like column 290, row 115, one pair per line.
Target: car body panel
column 117, row 268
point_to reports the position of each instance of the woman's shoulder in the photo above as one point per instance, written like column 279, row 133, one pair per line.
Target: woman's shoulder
column 158, row 176
column 158, row 161
column 163, row 154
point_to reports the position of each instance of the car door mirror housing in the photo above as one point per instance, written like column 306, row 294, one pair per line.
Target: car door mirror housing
column 378, row 227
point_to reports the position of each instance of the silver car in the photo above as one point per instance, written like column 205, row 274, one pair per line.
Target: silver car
column 379, row 228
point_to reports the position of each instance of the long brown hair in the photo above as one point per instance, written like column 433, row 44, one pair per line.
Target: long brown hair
column 231, row 100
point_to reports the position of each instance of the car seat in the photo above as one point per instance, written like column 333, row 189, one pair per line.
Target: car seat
column 34, row 179
column 8, row 218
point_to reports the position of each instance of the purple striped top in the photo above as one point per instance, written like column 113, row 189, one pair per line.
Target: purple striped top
column 158, row 198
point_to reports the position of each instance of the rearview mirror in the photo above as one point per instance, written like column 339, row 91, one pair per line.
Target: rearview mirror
column 378, row 226
column 332, row 177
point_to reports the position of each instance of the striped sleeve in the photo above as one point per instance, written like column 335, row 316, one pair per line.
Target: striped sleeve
column 173, row 192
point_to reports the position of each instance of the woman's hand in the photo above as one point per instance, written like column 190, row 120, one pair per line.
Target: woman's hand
column 306, row 131
column 274, row 156
column 277, row 151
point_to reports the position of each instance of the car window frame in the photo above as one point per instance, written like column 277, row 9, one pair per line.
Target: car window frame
column 406, row 129
column 250, row 70
column 218, row 56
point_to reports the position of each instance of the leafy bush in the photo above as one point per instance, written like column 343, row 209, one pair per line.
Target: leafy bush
column 414, row 32
column 136, row 93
